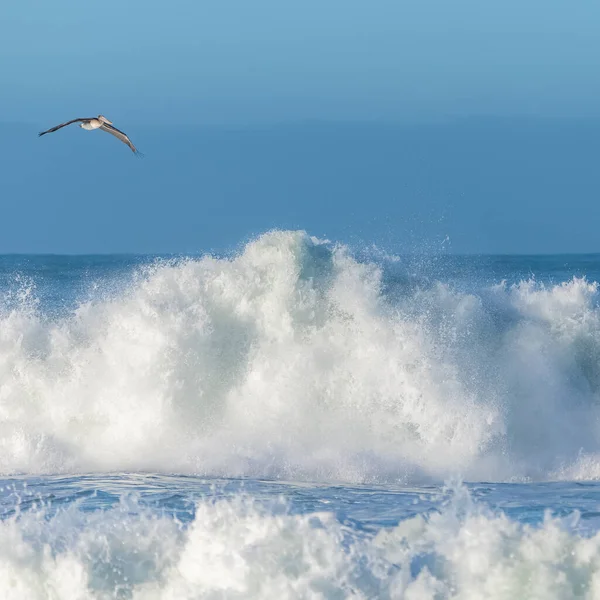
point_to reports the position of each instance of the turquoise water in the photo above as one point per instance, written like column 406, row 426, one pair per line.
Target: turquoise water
column 299, row 420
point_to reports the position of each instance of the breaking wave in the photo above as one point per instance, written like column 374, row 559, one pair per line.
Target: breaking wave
column 236, row 547
column 293, row 359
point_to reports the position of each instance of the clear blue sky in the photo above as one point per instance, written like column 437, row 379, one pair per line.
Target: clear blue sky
column 253, row 73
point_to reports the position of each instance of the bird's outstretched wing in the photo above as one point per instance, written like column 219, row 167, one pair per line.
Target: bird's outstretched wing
column 120, row 136
column 63, row 125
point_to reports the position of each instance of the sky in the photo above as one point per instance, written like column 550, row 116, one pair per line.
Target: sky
column 400, row 123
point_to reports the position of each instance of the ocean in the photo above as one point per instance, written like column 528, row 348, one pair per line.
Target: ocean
column 299, row 419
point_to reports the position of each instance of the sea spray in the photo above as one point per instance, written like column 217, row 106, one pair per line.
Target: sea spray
column 293, row 359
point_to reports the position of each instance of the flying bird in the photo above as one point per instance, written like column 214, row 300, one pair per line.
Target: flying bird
column 99, row 122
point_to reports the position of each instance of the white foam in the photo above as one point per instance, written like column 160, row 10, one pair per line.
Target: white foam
column 237, row 548
column 292, row 359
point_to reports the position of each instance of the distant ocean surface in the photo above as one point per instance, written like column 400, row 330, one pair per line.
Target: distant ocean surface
column 299, row 419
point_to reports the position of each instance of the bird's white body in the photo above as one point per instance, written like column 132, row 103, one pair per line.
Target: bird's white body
column 92, row 124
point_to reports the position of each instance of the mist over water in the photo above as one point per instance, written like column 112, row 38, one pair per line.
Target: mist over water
column 295, row 359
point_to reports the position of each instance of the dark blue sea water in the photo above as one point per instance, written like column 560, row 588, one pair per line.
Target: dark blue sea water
column 299, row 420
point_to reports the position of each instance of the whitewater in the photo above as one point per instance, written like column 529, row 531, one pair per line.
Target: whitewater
column 299, row 419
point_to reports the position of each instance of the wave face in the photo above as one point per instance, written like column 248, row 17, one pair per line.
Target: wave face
column 295, row 360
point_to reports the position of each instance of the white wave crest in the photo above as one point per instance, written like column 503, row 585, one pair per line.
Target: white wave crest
column 236, row 547
column 293, row 359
